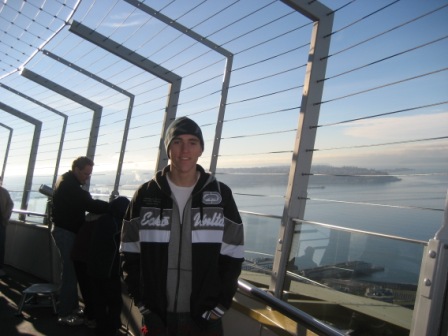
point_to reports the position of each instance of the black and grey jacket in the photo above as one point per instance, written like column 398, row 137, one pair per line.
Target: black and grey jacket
column 154, row 238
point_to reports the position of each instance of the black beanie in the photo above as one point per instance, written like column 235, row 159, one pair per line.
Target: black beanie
column 182, row 125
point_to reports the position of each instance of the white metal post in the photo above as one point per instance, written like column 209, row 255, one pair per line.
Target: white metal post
column 431, row 301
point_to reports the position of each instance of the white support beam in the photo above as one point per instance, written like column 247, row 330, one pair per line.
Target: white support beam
column 296, row 193
column 145, row 64
column 227, row 71
column 431, row 306
column 8, row 145
column 49, row 108
column 33, row 151
column 128, row 116
column 97, row 109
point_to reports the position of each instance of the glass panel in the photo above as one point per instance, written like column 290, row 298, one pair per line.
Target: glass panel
column 260, row 236
column 350, row 279
column 356, row 280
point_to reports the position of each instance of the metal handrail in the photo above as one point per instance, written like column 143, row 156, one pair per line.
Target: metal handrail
column 369, row 233
column 28, row 213
column 339, row 228
column 289, row 311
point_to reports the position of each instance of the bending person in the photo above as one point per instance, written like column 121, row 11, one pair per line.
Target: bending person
column 70, row 203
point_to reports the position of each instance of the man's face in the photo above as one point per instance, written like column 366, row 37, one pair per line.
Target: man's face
column 83, row 174
column 185, row 151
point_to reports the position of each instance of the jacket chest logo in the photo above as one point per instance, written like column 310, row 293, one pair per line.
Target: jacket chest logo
column 211, row 197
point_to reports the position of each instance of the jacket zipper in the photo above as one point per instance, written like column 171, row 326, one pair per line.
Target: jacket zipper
column 179, row 255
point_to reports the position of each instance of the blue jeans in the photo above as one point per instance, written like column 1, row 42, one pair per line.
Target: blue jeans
column 68, row 292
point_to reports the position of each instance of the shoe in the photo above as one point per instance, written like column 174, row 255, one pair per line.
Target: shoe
column 71, row 320
column 79, row 312
column 2, row 273
column 90, row 323
column 121, row 332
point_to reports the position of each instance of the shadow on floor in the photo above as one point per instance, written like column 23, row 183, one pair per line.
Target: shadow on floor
column 37, row 317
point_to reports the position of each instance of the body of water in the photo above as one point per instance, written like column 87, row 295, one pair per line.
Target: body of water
column 410, row 208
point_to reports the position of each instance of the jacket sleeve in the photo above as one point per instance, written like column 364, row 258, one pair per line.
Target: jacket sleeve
column 130, row 249
column 232, row 250
column 93, row 205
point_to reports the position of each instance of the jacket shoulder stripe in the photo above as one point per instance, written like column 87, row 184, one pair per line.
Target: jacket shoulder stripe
column 232, row 250
column 206, row 236
column 133, row 247
column 154, row 236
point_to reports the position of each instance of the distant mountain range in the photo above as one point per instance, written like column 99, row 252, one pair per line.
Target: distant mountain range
column 320, row 175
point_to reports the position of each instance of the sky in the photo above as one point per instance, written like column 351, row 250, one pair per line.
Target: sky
column 387, row 67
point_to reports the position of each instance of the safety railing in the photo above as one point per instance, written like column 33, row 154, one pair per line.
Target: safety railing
column 303, row 319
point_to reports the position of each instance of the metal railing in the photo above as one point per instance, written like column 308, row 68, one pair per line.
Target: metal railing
column 288, row 310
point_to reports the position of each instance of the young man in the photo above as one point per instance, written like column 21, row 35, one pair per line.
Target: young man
column 70, row 203
column 182, row 242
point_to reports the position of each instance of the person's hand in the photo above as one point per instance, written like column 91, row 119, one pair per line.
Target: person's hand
column 152, row 323
column 210, row 315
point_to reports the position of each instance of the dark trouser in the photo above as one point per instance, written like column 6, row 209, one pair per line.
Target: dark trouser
column 86, row 287
column 108, row 304
column 181, row 324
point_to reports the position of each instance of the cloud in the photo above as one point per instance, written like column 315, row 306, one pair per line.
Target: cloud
column 400, row 128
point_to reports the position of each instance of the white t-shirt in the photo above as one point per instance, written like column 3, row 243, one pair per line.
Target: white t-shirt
column 181, row 194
